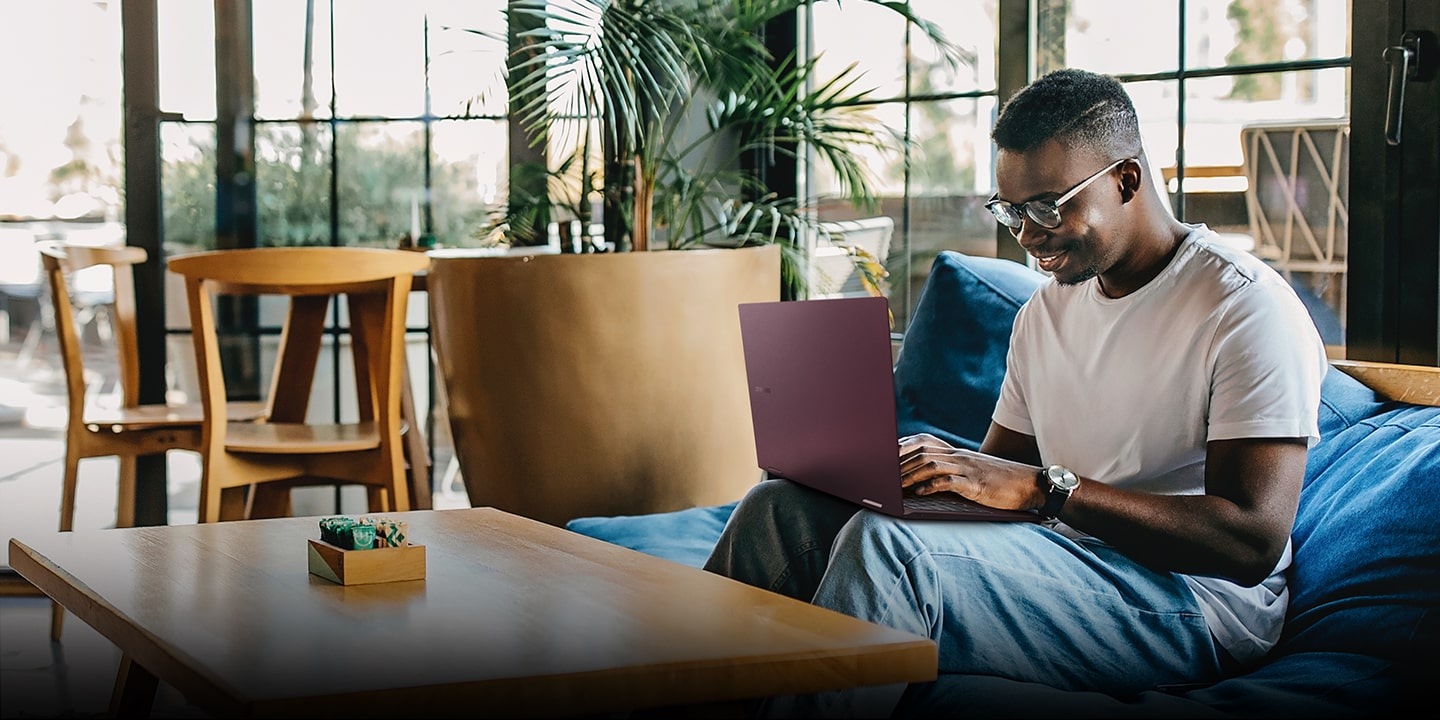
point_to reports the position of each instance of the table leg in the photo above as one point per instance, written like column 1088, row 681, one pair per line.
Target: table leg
column 135, row 688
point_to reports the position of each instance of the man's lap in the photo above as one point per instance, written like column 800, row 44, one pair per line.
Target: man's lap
column 1014, row 600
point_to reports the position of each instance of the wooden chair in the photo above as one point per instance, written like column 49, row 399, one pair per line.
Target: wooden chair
column 832, row 272
column 1298, row 199
column 132, row 429
column 287, row 451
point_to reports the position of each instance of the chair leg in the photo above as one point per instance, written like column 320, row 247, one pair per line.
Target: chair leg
column 417, row 455
column 209, row 510
column 398, row 488
column 67, row 490
column 67, row 523
column 377, row 500
column 235, row 503
column 268, row 501
column 125, row 494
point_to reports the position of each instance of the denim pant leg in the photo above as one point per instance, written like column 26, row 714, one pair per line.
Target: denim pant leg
column 1020, row 601
column 779, row 537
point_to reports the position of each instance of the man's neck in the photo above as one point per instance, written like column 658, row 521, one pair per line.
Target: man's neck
column 1153, row 247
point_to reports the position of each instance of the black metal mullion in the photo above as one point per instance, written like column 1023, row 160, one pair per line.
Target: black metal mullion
column 236, row 223
column 334, row 329
column 1179, row 203
column 1012, row 73
column 906, row 177
column 778, row 171
column 427, row 120
column 430, row 229
column 144, row 227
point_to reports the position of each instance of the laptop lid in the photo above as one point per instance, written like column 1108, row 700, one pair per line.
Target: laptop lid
column 822, row 396
column 822, row 401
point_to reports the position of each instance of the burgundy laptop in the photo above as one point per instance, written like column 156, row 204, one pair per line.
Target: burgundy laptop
column 822, row 400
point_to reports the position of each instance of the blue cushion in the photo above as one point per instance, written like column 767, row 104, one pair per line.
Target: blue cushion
column 684, row 536
column 947, row 378
column 1366, row 576
column 1309, row 684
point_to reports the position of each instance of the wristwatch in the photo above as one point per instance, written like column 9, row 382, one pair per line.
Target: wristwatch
column 1058, row 483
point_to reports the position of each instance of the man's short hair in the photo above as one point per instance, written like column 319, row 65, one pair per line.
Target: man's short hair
column 1080, row 109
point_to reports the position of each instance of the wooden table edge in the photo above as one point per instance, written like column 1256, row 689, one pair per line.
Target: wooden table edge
column 139, row 646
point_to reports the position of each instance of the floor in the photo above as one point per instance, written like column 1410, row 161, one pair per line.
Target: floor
column 73, row 678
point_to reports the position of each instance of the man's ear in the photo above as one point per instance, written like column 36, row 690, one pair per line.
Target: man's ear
column 1131, row 176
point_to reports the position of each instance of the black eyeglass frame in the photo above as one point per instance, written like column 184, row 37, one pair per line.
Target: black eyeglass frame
column 1013, row 216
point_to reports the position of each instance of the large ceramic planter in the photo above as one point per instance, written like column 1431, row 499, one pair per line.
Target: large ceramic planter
column 610, row 384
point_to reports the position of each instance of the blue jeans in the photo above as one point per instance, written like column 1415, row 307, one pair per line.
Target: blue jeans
column 1015, row 600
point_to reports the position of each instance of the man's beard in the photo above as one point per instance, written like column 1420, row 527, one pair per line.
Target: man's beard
column 1088, row 273
column 1076, row 249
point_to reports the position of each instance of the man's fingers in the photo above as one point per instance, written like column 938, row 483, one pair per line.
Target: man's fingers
column 927, row 468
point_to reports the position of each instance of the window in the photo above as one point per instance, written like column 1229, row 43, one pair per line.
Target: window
column 935, row 187
column 363, row 122
column 1243, row 106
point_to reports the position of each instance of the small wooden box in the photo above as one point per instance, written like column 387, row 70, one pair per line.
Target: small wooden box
column 361, row 567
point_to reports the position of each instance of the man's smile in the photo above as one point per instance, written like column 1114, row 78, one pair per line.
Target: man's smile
column 1049, row 262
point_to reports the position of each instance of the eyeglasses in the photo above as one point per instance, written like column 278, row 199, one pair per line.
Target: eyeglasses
column 1045, row 213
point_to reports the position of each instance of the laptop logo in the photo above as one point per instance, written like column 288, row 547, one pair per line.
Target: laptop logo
column 872, row 503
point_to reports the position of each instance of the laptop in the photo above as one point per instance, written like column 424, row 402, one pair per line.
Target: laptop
column 822, row 401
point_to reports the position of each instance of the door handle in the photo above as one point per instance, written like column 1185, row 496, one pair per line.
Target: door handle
column 1414, row 59
column 1398, row 60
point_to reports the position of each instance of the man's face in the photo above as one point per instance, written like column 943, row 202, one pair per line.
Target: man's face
column 1085, row 243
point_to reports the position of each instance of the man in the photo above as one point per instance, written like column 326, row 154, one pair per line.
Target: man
column 1159, row 398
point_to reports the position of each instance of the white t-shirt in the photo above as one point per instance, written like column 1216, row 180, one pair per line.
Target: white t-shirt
column 1128, row 391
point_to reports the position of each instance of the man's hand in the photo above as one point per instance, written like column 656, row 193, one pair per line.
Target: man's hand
column 929, row 465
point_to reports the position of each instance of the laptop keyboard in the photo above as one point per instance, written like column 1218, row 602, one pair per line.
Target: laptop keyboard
column 943, row 504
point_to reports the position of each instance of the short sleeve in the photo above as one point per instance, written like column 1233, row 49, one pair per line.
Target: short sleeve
column 1267, row 365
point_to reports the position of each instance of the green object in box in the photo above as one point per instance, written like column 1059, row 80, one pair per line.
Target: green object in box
column 362, row 537
column 336, row 531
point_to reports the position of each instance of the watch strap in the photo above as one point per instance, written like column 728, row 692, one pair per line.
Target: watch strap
column 1055, row 495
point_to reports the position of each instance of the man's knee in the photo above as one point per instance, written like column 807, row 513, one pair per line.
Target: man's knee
column 869, row 536
column 784, row 504
column 774, row 491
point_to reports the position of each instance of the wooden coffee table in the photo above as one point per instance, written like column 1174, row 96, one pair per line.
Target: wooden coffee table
column 515, row 617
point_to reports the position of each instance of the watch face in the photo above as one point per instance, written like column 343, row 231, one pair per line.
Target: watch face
column 1061, row 477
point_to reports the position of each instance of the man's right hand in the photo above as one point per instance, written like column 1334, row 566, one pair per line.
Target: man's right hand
column 930, row 465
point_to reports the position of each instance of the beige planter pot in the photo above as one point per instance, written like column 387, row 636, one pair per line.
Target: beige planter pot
column 611, row 384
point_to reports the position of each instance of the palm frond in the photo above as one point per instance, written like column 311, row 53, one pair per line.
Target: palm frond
column 642, row 68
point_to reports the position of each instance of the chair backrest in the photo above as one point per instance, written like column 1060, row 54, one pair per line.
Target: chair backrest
column 61, row 260
column 832, row 258
column 1298, row 193
column 375, row 282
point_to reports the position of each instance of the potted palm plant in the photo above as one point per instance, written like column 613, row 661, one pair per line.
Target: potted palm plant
column 620, row 373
